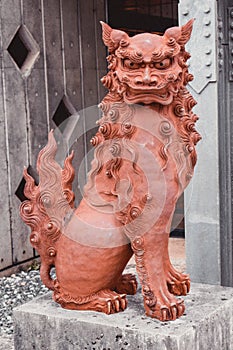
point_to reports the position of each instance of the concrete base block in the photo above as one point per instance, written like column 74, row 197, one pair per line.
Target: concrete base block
column 207, row 325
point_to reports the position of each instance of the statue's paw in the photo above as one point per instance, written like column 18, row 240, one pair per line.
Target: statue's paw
column 178, row 283
column 166, row 311
column 179, row 287
column 109, row 302
column 127, row 284
column 105, row 300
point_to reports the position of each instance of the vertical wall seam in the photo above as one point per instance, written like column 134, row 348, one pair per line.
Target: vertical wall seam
column 82, row 88
column 81, row 57
column 45, row 65
column 27, row 109
column 63, row 47
column 225, row 152
column 27, row 112
column 21, row 11
column 96, row 49
column 6, row 139
column 106, row 10
column 229, row 93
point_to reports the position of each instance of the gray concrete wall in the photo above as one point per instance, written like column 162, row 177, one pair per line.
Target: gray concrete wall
column 202, row 221
column 202, row 204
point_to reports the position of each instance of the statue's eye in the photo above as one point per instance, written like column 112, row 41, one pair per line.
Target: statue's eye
column 131, row 65
column 163, row 64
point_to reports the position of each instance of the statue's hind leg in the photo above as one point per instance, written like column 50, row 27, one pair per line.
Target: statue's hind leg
column 127, row 284
column 150, row 250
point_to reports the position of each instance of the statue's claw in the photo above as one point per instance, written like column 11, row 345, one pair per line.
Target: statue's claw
column 178, row 283
column 105, row 300
column 127, row 284
column 179, row 286
column 167, row 311
column 110, row 302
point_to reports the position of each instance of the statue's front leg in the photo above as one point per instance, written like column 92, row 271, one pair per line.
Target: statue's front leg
column 149, row 252
column 178, row 283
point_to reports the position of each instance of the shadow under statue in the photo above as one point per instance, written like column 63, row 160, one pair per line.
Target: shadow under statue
column 144, row 158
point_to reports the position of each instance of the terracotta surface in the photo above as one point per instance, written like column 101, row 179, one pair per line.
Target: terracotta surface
column 144, row 158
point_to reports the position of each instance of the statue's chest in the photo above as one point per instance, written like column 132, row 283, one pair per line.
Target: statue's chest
column 159, row 142
column 156, row 132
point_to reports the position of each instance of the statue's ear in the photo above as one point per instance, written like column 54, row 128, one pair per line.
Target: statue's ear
column 112, row 38
column 180, row 34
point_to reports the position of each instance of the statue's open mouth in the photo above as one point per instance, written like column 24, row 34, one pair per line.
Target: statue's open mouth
column 148, row 96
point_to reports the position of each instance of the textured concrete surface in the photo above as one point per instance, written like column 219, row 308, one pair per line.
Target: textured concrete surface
column 6, row 342
column 207, row 325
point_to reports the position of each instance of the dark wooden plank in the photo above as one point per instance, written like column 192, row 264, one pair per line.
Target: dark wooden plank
column 53, row 43
column 101, row 52
column 72, row 65
column 93, row 50
column 5, row 228
column 99, row 12
column 18, row 157
column 87, row 27
column 10, row 23
column 38, row 126
column 91, row 63
column 32, row 18
column 74, row 86
column 36, row 84
column 88, row 50
column 16, row 114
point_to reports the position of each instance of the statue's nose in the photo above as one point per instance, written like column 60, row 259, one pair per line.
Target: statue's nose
column 147, row 76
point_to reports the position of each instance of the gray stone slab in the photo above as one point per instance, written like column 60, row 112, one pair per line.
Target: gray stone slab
column 207, row 325
column 6, row 342
column 202, row 197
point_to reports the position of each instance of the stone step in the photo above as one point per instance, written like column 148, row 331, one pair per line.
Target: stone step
column 206, row 325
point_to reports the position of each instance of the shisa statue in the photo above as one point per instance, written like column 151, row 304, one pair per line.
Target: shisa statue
column 144, row 158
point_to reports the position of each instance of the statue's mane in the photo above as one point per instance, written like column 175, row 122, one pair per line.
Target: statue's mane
column 181, row 105
column 117, row 126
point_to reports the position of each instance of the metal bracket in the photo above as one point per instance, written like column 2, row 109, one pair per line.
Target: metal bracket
column 202, row 45
column 230, row 31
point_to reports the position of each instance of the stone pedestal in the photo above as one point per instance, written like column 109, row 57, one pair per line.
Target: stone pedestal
column 207, row 324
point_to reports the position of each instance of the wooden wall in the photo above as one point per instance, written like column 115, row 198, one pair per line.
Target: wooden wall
column 69, row 62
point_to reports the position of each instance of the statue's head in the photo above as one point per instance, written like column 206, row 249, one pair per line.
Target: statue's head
column 147, row 68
